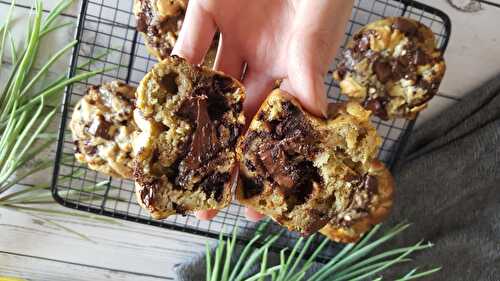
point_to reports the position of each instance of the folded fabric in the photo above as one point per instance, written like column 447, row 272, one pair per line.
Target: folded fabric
column 448, row 186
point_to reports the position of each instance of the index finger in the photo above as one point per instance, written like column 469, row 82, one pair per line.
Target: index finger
column 196, row 34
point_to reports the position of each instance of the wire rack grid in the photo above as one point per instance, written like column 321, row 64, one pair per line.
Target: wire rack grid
column 108, row 26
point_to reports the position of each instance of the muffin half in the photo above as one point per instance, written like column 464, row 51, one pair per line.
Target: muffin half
column 189, row 119
column 306, row 172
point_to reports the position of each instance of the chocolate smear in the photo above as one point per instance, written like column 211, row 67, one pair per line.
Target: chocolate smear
column 204, row 142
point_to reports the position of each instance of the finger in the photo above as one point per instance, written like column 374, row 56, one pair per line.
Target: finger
column 318, row 29
column 257, row 86
column 228, row 59
column 308, row 87
column 196, row 34
column 206, row 215
column 253, row 215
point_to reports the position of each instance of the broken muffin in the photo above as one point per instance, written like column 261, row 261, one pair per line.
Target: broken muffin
column 189, row 119
column 392, row 67
column 102, row 128
column 306, row 172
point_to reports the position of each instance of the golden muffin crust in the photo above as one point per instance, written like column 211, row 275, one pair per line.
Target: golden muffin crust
column 392, row 67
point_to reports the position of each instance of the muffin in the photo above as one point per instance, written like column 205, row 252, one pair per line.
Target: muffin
column 392, row 67
column 102, row 127
column 306, row 172
column 159, row 22
column 189, row 119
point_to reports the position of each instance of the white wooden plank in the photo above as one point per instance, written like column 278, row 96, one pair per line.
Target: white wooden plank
column 472, row 55
column 33, row 268
column 125, row 246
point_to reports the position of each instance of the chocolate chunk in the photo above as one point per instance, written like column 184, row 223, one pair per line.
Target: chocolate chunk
column 204, row 142
column 371, row 184
column 99, row 128
column 277, row 166
column 421, row 58
column 249, row 165
column 216, row 102
column 238, row 107
column 307, row 176
column 431, row 87
column 169, row 84
column 148, row 192
column 178, row 209
column 293, row 123
column 382, row 70
column 377, row 107
column 353, row 178
column 89, row 149
column 77, row 147
column 142, row 23
column 234, row 134
column 214, row 185
column 251, row 187
column 402, row 68
column 341, row 72
column 405, row 26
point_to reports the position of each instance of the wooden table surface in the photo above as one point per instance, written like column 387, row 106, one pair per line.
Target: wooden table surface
column 37, row 249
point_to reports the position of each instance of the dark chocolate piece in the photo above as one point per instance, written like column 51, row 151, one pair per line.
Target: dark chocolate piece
column 251, row 187
column 214, row 184
column 405, row 26
column 204, row 142
column 99, row 128
column 371, row 184
column 148, row 192
column 377, row 107
column 382, row 70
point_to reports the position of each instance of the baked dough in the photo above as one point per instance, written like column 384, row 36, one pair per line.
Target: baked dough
column 189, row 121
column 392, row 67
column 306, row 172
column 102, row 128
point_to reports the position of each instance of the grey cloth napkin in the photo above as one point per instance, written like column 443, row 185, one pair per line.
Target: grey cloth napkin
column 448, row 187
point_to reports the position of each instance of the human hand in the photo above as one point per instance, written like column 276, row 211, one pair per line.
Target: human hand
column 293, row 40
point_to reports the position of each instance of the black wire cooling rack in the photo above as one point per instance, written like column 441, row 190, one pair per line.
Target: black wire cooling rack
column 108, row 26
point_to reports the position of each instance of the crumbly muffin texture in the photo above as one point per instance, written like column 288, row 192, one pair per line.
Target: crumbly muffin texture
column 159, row 22
column 189, row 120
column 392, row 67
column 102, row 127
column 306, row 172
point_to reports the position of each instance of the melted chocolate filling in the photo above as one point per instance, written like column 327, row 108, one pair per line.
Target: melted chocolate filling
column 214, row 185
column 282, row 157
column 205, row 111
column 99, row 128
